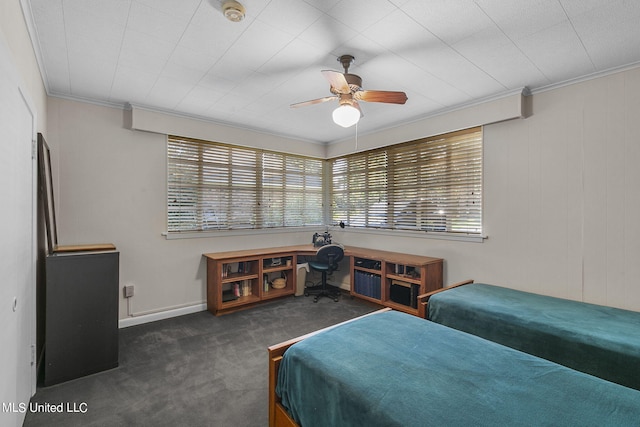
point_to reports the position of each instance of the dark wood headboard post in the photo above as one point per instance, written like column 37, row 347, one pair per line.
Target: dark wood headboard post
column 423, row 300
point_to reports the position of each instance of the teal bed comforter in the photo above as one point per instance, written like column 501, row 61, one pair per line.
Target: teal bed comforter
column 393, row 369
column 598, row 340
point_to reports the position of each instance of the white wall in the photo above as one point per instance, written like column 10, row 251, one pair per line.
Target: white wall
column 561, row 199
column 112, row 184
column 14, row 31
column 554, row 184
column 22, row 102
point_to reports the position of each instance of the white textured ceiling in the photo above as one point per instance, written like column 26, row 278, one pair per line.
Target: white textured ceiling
column 183, row 56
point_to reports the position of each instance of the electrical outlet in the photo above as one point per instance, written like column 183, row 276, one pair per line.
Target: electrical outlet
column 128, row 291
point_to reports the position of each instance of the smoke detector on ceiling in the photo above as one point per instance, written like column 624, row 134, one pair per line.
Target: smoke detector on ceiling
column 233, row 11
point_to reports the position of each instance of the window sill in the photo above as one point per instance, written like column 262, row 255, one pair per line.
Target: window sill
column 415, row 234
column 315, row 229
column 243, row 232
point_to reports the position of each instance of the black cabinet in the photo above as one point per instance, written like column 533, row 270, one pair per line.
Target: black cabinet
column 81, row 326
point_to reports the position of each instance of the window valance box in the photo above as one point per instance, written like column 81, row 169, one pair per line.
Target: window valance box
column 507, row 106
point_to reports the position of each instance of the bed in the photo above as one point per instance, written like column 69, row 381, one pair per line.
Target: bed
column 598, row 340
column 393, row 369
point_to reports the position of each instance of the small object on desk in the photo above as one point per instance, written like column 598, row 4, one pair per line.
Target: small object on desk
column 321, row 239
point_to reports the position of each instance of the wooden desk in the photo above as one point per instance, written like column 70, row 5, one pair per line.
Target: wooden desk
column 236, row 279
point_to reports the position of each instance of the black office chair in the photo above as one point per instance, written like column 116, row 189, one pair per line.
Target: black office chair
column 326, row 262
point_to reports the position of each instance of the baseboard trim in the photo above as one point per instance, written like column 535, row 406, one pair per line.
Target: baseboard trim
column 161, row 315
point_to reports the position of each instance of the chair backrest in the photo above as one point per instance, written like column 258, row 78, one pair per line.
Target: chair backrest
column 330, row 254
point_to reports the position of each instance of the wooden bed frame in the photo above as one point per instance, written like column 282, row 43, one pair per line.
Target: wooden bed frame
column 423, row 300
column 278, row 416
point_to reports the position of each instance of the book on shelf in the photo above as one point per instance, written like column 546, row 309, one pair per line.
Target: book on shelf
column 367, row 284
column 236, row 290
column 236, row 268
column 242, row 288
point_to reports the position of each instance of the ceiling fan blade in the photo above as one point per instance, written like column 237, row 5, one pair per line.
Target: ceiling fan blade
column 381, row 96
column 314, row 101
column 337, row 81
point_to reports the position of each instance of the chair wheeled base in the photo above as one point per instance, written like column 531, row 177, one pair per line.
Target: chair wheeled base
column 323, row 290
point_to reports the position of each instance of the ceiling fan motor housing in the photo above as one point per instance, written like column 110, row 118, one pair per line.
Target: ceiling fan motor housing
column 353, row 80
column 346, row 99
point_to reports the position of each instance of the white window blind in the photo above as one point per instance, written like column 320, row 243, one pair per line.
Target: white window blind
column 213, row 186
column 433, row 185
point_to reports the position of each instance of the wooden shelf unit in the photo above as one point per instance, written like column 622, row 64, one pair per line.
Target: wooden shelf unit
column 393, row 279
column 384, row 274
column 236, row 279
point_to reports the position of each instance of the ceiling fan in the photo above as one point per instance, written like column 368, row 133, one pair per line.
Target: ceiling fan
column 347, row 89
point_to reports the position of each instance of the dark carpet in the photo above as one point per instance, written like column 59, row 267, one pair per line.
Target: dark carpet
column 194, row 370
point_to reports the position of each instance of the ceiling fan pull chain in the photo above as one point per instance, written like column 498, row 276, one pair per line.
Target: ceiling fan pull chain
column 356, row 150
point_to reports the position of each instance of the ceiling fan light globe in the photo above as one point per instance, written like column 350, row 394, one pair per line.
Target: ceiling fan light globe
column 346, row 116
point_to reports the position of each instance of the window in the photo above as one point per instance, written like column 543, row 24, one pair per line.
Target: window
column 432, row 184
column 213, row 186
